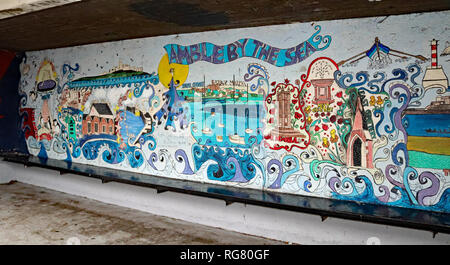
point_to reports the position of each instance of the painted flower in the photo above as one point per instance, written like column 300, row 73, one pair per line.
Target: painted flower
column 333, row 118
column 333, row 137
column 324, row 127
column 380, row 101
column 308, row 109
column 339, row 94
column 317, row 128
column 325, row 142
column 297, row 115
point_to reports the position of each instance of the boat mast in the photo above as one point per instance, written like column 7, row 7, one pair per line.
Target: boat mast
column 203, row 102
column 247, row 93
column 234, row 90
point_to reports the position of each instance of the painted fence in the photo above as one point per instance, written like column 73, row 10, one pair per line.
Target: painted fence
column 352, row 109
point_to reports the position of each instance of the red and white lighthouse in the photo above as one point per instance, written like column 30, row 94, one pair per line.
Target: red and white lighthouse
column 434, row 75
column 434, row 59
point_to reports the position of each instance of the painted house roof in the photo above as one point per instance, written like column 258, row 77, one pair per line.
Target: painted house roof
column 102, row 109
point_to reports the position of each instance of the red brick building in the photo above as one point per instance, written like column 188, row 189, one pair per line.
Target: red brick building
column 100, row 120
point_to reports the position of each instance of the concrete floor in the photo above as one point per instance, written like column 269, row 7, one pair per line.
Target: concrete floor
column 34, row 215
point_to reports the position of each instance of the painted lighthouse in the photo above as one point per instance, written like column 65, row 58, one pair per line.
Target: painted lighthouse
column 434, row 75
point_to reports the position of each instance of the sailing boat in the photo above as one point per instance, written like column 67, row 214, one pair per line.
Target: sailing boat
column 235, row 138
column 205, row 130
column 247, row 118
column 221, row 125
column 219, row 138
column 379, row 53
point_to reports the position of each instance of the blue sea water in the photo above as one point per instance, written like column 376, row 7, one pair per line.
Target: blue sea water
column 430, row 125
column 226, row 119
column 130, row 126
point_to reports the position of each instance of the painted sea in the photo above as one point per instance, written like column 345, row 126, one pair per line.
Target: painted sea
column 227, row 124
column 428, row 125
column 428, row 140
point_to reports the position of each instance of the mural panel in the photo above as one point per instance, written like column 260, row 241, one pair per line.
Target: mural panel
column 352, row 109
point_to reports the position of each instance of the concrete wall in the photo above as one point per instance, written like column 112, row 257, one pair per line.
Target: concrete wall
column 255, row 220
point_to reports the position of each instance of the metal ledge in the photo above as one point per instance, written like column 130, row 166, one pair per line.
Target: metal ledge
column 435, row 222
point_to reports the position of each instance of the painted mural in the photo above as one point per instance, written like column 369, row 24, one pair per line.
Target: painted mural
column 353, row 109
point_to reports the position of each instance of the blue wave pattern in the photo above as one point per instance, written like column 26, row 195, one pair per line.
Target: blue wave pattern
column 398, row 173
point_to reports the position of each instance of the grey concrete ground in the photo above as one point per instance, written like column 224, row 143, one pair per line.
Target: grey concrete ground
column 34, row 215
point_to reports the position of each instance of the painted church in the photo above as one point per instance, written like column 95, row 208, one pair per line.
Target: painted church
column 360, row 144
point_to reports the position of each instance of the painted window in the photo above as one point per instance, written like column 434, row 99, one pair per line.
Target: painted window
column 357, row 146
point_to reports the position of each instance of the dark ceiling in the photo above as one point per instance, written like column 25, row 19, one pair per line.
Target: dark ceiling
column 92, row 21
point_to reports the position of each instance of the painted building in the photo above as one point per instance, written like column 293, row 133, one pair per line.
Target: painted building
column 360, row 144
column 435, row 75
column 99, row 120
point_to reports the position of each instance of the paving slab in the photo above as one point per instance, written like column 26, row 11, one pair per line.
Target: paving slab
column 35, row 215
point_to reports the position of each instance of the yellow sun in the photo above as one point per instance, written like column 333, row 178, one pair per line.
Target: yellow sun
column 166, row 70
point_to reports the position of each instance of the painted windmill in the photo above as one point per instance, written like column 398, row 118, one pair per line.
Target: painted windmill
column 379, row 55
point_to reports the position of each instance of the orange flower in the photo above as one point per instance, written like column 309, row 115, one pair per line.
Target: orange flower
column 308, row 109
column 333, row 137
column 325, row 142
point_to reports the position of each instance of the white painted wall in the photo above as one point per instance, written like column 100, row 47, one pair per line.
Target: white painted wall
column 254, row 220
